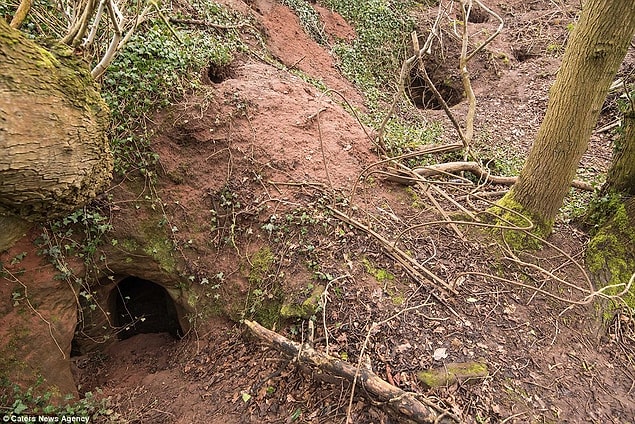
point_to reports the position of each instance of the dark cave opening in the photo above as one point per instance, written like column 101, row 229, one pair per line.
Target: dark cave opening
column 218, row 73
column 423, row 97
column 141, row 306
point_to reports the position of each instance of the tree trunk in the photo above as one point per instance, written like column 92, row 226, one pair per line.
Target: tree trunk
column 595, row 50
column 54, row 155
column 610, row 254
column 621, row 176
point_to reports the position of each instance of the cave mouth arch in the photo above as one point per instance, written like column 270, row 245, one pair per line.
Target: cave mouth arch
column 142, row 306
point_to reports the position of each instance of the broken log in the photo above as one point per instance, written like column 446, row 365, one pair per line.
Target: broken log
column 379, row 391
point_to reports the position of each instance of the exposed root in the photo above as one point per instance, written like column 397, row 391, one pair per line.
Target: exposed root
column 472, row 167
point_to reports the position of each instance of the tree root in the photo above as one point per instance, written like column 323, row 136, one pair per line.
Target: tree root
column 471, row 167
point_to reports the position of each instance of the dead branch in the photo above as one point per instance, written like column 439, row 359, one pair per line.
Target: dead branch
column 466, row 7
column 472, row 167
column 437, row 205
column 370, row 384
column 411, row 266
column 21, row 13
column 421, row 152
column 444, row 214
column 443, row 104
column 118, row 22
column 491, row 37
column 79, row 27
column 591, row 296
column 93, row 31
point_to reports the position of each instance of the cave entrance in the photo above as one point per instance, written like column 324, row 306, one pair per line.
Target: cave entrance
column 423, row 97
column 141, row 306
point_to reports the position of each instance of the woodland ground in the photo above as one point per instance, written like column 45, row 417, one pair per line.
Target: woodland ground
column 547, row 361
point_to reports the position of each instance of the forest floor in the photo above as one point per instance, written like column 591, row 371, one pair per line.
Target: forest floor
column 548, row 359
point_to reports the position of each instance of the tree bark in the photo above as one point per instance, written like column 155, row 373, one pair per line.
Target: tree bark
column 621, row 175
column 610, row 254
column 595, row 50
column 55, row 155
column 398, row 401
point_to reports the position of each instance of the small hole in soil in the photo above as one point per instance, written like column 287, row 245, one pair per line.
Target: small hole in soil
column 141, row 306
column 218, row 74
column 523, row 53
column 478, row 16
column 424, row 98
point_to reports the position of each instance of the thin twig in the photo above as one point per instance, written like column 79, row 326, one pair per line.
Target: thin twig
column 374, row 327
column 418, row 272
column 35, row 311
column 442, row 102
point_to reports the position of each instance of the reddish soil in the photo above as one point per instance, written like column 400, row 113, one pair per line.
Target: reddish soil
column 258, row 135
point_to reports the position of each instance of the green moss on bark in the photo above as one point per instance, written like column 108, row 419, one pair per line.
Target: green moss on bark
column 610, row 255
column 508, row 212
column 58, row 70
column 61, row 159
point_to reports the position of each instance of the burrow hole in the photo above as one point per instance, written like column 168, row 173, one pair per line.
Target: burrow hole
column 217, row 74
column 141, row 306
column 524, row 52
column 478, row 15
column 423, row 97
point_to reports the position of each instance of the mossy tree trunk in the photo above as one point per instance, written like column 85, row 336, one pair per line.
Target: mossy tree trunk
column 54, row 154
column 592, row 57
column 610, row 255
column 621, row 176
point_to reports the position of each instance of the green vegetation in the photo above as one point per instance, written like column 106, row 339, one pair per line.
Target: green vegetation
column 374, row 58
column 373, row 62
column 35, row 400
column 381, row 275
column 260, row 265
column 265, row 297
column 502, row 160
column 601, row 209
column 33, row 27
column 451, row 373
column 307, row 308
column 309, row 19
column 511, row 213
column 154, row 70
column 158, row 245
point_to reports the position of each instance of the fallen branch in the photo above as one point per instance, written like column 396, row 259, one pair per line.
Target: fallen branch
column 21, row 13
column 472, row 167
column 376, row 389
